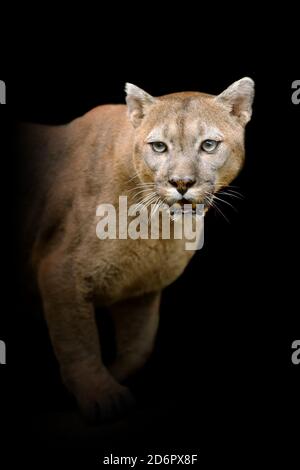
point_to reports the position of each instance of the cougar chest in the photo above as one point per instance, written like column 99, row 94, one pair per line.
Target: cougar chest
column 134, row 267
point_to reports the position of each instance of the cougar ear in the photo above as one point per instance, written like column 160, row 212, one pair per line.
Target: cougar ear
column 138, row 102
column 239, row 98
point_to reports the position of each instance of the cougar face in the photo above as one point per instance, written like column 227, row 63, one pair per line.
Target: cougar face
column 189, row 145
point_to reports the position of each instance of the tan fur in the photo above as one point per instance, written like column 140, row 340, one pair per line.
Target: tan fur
column 94, row 160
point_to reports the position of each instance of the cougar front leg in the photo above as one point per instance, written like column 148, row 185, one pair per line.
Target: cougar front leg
column 136, row 321
column 73, row 331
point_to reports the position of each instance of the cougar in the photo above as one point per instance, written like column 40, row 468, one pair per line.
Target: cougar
column 178, row 148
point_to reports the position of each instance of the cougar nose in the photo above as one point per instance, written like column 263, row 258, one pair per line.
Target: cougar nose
column 181, row 184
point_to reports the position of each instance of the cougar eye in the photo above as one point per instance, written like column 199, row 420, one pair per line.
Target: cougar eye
column 209, row 146
column 158, row 147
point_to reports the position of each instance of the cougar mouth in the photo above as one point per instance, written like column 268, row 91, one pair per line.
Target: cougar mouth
column 184, row 206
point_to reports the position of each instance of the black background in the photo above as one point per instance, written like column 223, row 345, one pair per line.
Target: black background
column 220, row 382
